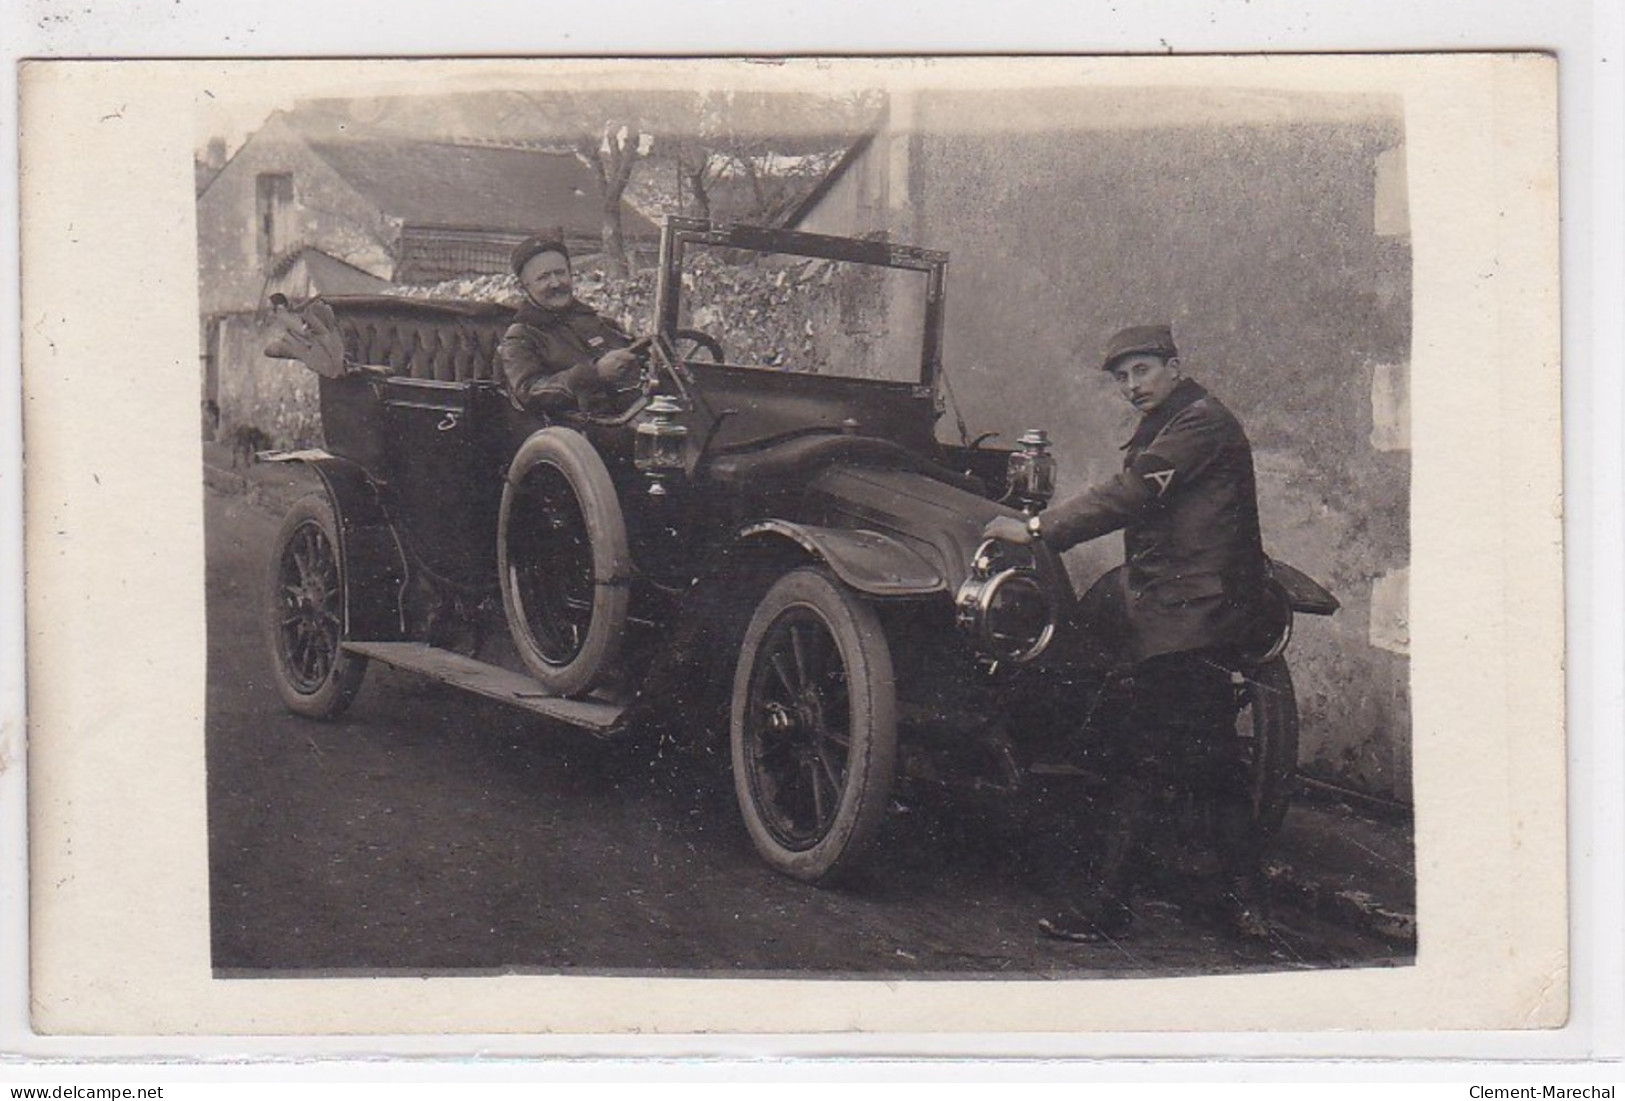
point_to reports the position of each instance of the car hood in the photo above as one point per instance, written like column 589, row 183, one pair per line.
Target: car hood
column 942, row 522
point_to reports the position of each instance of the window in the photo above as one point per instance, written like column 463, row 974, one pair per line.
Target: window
column 273, row 198
column 783, row 312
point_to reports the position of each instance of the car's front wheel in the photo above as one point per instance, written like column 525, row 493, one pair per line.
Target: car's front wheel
column 813, row 727
column 304, row 615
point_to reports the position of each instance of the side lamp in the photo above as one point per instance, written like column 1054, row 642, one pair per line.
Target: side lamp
column 660, row 442
column 1030, row 473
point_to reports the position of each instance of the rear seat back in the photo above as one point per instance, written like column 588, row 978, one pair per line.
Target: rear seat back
column 423, row 339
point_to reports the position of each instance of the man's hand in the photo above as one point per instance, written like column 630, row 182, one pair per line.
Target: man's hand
column 1008, row 529
column 618, row 369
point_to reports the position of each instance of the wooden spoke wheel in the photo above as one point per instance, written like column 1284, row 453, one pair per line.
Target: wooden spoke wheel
column 814, row 726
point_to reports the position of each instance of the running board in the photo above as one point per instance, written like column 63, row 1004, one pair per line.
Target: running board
column 492, row 681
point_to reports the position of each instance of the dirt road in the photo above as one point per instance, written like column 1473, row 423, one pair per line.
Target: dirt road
column 430, row 831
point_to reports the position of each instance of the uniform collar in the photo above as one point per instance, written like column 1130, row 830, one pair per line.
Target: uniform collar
column 1185, row 392
column 532, row 314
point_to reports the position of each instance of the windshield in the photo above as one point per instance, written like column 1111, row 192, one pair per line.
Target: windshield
column 810, row 315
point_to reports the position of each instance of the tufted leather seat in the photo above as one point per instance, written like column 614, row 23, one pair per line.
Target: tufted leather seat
column 417, row 338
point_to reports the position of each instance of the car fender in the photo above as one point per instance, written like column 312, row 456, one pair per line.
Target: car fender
column 870, row 562
column 369, row 550
column 1103, row 614
column 1304, row 592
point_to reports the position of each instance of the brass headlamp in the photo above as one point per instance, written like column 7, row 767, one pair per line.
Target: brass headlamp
column 1003, row 605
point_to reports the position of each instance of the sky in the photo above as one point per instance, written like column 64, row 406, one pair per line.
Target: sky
column 514, row 109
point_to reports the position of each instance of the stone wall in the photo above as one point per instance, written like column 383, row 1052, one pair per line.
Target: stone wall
column 277, row 396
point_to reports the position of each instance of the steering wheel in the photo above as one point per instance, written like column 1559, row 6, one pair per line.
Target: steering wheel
column 686, row 342
column 658, row 356
column 642, row 384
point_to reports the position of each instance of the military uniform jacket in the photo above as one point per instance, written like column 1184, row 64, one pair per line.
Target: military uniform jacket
column 546, row 357
column 1188, row 505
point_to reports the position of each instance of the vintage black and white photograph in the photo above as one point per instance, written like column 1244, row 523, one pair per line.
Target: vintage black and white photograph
column 694, row 545
column 881, row 531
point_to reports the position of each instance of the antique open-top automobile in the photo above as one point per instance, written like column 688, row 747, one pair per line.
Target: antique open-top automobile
column 765, row 528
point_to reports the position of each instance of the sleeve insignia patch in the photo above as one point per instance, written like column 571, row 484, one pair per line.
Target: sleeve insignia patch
column 1161, row 479
column 1157, row 471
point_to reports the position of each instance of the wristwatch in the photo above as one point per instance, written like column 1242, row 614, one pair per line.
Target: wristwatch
column 1035, row 527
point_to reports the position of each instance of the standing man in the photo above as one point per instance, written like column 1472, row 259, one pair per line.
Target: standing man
column 558, row 355
column 1195, row 568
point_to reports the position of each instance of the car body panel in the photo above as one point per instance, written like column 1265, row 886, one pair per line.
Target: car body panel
column 943, row 522
column 374, row 568
column 752, row 408
column 874, row 564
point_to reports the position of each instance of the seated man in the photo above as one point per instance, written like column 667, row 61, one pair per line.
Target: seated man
column 559, row 356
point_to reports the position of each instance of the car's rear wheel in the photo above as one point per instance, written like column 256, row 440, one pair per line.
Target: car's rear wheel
column 305, row 602
column 563, row 561
column 813, row 727
column 1268, row 726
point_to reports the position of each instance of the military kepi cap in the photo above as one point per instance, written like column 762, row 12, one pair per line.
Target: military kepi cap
column 1149, row 340
column 535, row 246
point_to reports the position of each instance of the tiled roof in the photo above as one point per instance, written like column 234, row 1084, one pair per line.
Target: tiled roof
column 330, row 275
column 490, row 187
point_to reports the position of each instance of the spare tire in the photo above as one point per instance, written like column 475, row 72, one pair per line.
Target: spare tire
column 563, row 561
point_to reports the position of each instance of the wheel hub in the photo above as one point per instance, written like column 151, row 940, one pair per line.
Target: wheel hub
column 779, row 719
column 799, row 720
column 797, row 724
column 809, row 713
column 311, row 595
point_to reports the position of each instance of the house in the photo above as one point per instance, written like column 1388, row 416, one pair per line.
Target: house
column 403, row 211
column 306, row 208
column 206, row 167
column 1271, row 229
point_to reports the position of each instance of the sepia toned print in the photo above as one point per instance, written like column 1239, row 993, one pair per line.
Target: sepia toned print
column 668, row 530
column 769, row 613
